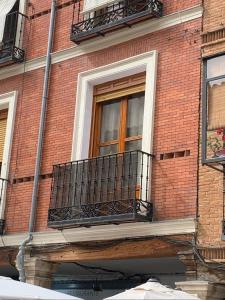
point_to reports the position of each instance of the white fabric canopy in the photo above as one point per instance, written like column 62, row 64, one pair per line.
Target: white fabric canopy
column 5, row 7
column 153, row 290
column 15, row 290
column 90, row 5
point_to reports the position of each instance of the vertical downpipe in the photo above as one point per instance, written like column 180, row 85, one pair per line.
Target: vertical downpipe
column 21, row 253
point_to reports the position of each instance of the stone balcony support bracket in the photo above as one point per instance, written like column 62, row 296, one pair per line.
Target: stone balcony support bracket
column 205, row 290
column 39, row 272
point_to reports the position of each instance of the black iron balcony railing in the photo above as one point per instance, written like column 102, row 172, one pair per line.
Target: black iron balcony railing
column 107, row 189
column 9, row 47
column 123, row 13
column 3, row 185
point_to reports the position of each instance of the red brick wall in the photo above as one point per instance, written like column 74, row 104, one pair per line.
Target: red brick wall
column 174, row 182
column 39, row 26
column 214, row 15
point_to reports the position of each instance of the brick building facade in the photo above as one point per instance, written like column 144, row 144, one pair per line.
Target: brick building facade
column 211, row 176
column 161, row 49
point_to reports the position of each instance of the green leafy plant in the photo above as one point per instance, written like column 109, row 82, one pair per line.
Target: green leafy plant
column 214, row 143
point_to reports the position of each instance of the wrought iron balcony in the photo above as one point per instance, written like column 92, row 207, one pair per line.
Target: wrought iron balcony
column 107, row 189
column 3, row 186
column 123, row 13
column 10, row 50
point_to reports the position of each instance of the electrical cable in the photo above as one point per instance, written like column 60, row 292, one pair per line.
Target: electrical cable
column 197, row 254
column 188, row 243
column 99, row 268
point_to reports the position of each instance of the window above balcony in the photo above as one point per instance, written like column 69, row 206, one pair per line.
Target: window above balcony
column 11, row 23
column 117, row 120
column 94, row 5
column 99, row 17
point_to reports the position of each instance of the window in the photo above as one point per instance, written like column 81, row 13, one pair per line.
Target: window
column 11, row 30
column 11, row 26
column 8, row 19
column 101, row 15
column 214, row 109
column 88, row 80
column 118, row 116
column 90, row 5
column 96, row 5
column 3, row 123
column 113, row 11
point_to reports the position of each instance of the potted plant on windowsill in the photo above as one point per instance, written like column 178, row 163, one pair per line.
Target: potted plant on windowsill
column 216, row 143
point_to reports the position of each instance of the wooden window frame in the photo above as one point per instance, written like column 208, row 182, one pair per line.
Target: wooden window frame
column 206, row 80
column 121, row 90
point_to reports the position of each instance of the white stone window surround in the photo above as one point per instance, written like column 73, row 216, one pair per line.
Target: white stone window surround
column 146, row 62
column 20, row 24
column 7, row 101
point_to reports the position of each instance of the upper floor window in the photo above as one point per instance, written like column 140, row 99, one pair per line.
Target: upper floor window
column 214, row 109
column 90, row 5
column 118, row 116
column 11, row 25
column 8, row 23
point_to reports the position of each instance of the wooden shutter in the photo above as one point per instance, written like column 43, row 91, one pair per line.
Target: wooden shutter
column 120, row 88
column 3, row 123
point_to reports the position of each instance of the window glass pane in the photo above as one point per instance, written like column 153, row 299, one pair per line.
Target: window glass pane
column 133, row 145
column 10, row 23
column 216, row 119
column 216, row 104
column 216, row 66
column 135, row 115
column 108, row 149
column 110, row 121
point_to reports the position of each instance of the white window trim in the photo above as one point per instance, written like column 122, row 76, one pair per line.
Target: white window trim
column 146, row 62
column 7, row 101
column 20, row 24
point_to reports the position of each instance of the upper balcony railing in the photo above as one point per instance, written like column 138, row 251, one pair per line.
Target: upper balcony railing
column 123, row 13
column 10, row 46
column 107, row 189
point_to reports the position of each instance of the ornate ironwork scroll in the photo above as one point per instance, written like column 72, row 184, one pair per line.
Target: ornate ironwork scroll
column 124, row 12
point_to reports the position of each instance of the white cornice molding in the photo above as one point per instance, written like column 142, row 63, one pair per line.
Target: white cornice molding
column 109, row 40
column 103, row 233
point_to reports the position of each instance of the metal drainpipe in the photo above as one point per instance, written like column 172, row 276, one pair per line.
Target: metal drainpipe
column 21, row 253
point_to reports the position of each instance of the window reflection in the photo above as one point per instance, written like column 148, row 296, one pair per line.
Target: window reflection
column 216, row 66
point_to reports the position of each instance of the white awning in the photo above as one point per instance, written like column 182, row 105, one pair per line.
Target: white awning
column 5, row 7
column 153, row 290
column 15, row 290
column 90, row 5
